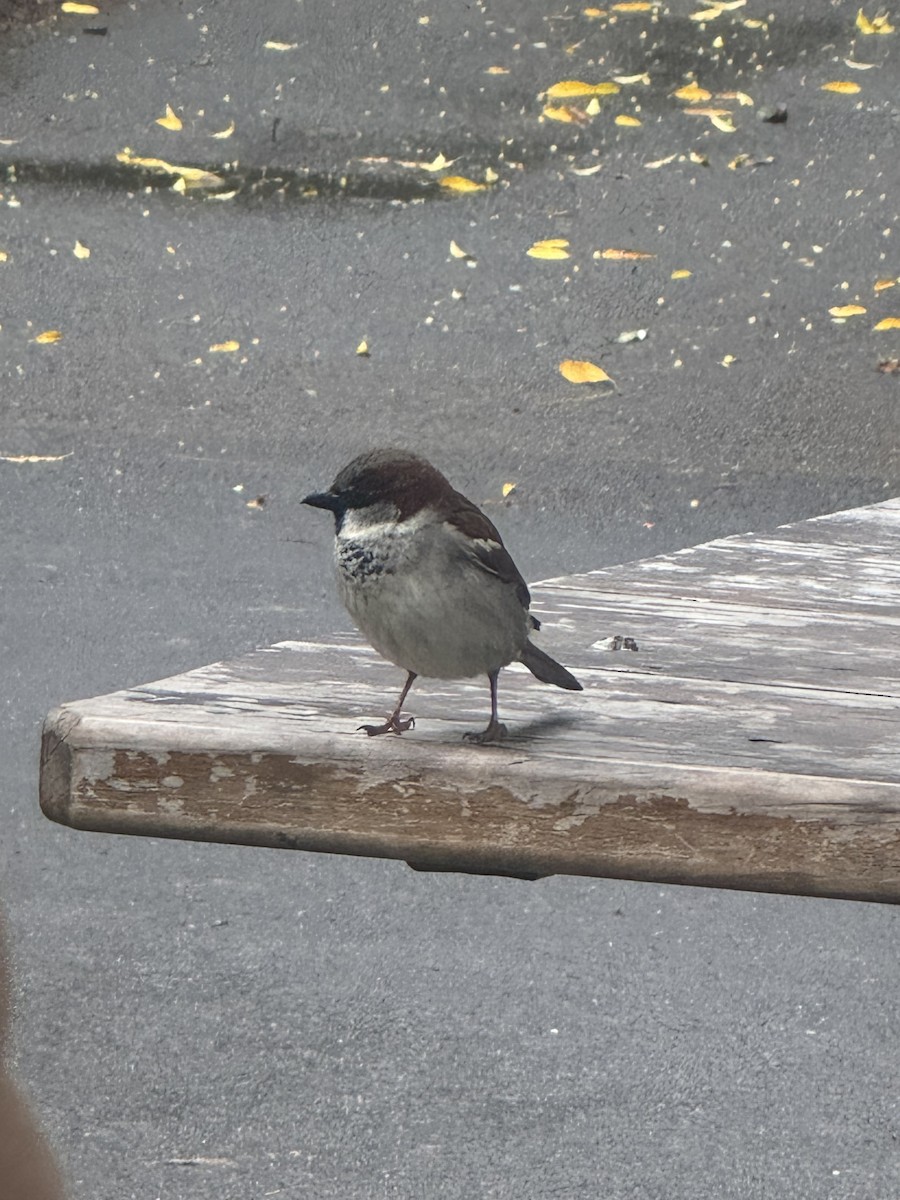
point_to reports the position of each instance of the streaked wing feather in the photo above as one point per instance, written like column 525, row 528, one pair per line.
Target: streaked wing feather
column 487, row 546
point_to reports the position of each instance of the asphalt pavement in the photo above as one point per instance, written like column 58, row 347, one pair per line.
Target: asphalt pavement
column 342, row 262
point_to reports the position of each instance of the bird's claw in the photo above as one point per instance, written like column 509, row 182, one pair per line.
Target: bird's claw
column 495, row 732
column 393, row 724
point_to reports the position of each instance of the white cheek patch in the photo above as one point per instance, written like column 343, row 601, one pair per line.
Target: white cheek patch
column 362, row 524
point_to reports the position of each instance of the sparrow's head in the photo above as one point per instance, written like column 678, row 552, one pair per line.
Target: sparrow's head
column 383, row 485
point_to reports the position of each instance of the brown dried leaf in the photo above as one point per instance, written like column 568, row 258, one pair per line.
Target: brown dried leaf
column 622, row 255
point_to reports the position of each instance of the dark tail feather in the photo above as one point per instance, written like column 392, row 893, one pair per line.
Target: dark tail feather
column 547, row 669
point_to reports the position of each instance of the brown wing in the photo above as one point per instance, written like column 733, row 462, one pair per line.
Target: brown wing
column 487, row 547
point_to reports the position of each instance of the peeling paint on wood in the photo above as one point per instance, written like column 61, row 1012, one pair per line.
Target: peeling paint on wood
column 752, row 740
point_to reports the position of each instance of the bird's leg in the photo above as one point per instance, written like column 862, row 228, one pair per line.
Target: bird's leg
column 393, row 724
column 495, row 731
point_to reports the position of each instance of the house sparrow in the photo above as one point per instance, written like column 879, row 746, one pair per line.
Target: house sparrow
column 425, row 576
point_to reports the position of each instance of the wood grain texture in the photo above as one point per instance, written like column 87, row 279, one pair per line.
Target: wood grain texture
column 752, row 740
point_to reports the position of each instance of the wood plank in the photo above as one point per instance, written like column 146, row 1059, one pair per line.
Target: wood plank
column 753, row 739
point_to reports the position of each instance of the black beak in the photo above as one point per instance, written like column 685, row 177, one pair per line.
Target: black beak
column 323, row 500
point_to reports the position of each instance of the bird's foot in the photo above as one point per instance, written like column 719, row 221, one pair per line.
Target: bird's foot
column 394, row 724
column 495, row 732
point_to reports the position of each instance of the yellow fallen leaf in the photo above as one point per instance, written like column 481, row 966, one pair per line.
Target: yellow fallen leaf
column 458, row 252
column 550, row 248
column 728, row 360
column 490, row 175
column 716, row 10
column 48, row 337
column 692, row 92
column 844, row 87
column 363, row 349
column 681, row 273
column 225, row 347
column 507, row 489
column 580, row 371
column 879, row 24
column 625, row 119
column 171, row 120
column 725, row 124
column 82, row 10
column 564, row 113
column 753, row 23
column 622, row 255
column 280, row 45
column 226, row 132
column 881, row 285
column 575, row 87
column 660, row 162
column 34, row 458
column 438, row 163
column 846, row 310
column 593, row 107
column 459, row 183
column 587, row 170
column 4, row 256
column 593, row 14
column 497, row 71
column 702, row 160
column 630, row 6
column 742, row 98
column 625, row 80
column 80, row 251
column 193, row 176
column 888, row 323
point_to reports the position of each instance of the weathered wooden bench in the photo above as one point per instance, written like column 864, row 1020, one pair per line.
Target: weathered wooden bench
column 750, row 740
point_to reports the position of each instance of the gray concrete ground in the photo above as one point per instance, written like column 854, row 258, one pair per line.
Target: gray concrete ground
column 206, row 1021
